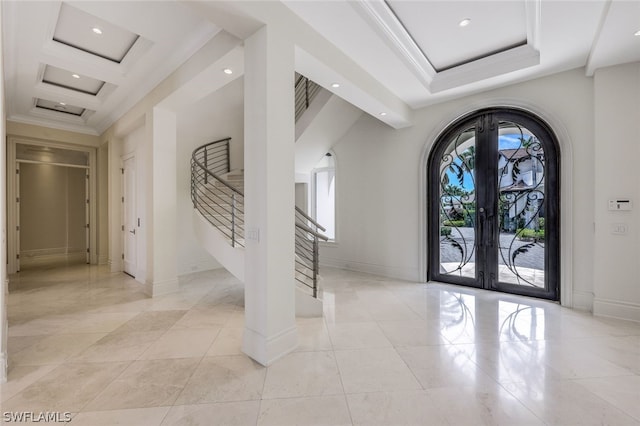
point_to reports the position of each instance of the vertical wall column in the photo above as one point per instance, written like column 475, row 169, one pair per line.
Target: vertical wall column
column 115, row 204
column 270, row 329
column 617, row 232
column 158, row 226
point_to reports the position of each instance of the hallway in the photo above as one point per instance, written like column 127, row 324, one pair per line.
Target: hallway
column 89, row 342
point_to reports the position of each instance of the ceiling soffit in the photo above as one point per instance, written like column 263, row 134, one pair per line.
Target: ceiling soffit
column 515, row 48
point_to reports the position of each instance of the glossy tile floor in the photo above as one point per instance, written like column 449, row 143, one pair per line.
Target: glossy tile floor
column 89, row 342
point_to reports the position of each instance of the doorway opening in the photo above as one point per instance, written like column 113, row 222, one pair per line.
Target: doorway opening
column 52, row 206
column 494, row 204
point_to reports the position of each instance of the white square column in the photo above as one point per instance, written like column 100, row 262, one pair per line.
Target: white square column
column 158, row 227
column 270, row 327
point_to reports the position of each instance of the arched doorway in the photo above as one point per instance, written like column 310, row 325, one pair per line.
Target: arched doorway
column 494, row 204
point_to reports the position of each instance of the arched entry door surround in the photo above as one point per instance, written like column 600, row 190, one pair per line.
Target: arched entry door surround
column 494, row 204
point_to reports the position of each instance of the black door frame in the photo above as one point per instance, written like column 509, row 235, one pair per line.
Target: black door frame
column 486, row 122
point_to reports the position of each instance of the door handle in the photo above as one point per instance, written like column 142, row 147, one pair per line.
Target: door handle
column 133, row 231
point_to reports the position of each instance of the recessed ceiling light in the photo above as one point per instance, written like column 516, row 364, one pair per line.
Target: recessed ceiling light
column 335, row 85
column 464, row 22
column 637, row 33
column 75, row 76
column 62, row 103
column 97, row 30
column 228, row 71
column 383, row 114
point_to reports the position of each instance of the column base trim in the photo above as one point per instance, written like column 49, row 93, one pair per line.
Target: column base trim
column 160, row 288
column 267, row 350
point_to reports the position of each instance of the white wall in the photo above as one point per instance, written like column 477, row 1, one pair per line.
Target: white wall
column 617, row 175
column 215, row 117
column 381, row 211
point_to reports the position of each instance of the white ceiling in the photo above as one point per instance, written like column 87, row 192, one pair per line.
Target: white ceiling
column 415, row 50
column 47, row 42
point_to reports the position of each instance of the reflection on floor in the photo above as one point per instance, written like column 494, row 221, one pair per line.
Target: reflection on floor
column 89, row 342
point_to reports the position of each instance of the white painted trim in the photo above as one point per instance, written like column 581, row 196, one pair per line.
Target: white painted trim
column 616, row 309
column 205, row 263
column 566, row 187
column 394, row 272
column 383, row 20
column 515, row 59
column 583, row 300
column 267, row 350
column 160, row 288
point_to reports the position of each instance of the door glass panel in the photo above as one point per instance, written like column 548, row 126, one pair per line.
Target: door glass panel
column 458, row 206
column 521, row 207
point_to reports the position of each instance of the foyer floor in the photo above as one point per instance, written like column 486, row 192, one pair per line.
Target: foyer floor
column 89, row 342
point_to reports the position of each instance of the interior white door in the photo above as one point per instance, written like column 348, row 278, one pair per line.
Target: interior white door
column 130, row 216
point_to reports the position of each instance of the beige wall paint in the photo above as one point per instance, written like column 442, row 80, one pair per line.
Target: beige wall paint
column 52, row 210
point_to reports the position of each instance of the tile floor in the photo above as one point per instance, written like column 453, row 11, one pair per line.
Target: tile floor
column 89, row 342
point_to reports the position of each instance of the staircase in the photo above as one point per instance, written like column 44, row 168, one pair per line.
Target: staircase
column 217, row 195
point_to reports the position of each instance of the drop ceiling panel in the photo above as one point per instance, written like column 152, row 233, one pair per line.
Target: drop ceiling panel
column 56, row 106
column 65, row 78
column 495, row 26
column 75, row 28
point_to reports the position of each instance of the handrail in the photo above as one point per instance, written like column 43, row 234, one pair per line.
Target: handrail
column 209, row 172
column 312, row 232
column 224, row 209
column 310, row 219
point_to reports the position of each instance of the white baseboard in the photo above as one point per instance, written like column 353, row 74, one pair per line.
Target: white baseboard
column 103, row 259
column 616, row 309
column 115, row 265
column 267, row 350
column 583, row 301
column 160, row 288
column 394, row 272
column 203, row 264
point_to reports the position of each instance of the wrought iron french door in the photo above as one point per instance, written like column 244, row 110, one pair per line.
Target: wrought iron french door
column 494, row 204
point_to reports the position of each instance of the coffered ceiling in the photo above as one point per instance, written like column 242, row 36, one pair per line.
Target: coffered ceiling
column 81, row 65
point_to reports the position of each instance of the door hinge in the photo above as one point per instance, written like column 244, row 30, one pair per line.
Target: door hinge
column 17, row 256
column 87, row 226
column 123, row 199
column 87, row 175
column 17, row 228
column 17, row 199
column 87, row 201
column 123, row 227
column 122, row 170
column 17, row 171
column 122, row 256
column 87, row 250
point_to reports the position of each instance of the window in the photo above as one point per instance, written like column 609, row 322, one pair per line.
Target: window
column 323, row 198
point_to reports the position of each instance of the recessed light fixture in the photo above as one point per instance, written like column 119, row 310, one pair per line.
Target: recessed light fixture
column 637, row 33
column 227, row 71
column 75, row 76
column 96, row 30
column 383, row 114
column 464, row 22
column 62, row 103
column 335, row 85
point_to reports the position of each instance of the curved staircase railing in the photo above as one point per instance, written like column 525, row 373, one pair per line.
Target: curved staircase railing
column 218, row 195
